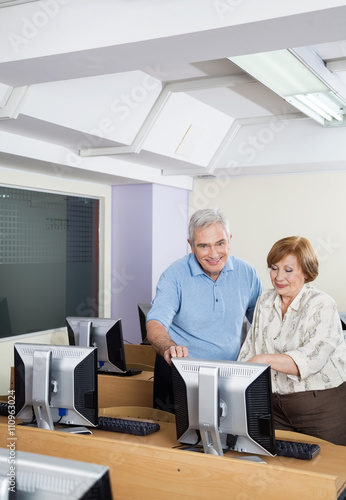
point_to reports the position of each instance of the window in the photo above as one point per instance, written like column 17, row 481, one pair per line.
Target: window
column 49, row 259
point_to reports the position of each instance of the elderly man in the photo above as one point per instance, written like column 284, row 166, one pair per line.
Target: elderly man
column 201, row 301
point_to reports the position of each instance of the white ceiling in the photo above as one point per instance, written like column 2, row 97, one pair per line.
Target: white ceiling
column 121, row 91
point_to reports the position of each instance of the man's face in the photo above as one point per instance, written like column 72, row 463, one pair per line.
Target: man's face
column 211, row 247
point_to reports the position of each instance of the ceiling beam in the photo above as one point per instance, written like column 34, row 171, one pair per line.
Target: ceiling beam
column 167, row 90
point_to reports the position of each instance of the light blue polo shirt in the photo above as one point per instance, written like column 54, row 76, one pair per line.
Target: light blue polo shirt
column 205, row 315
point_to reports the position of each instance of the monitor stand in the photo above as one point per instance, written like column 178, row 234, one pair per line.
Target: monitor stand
column 129, row 372
column 75, row 430
column 208, row 409
column 41, row 387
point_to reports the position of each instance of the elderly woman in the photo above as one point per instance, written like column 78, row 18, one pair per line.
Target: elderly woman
column 297, row 330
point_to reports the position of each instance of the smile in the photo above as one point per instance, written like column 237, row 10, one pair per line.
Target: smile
column 213, row 262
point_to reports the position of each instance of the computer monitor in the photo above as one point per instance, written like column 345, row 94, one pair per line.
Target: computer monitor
column 223, row 405
column 104, row 333
column 32, row 476
column 143, row 310
column 56, row 384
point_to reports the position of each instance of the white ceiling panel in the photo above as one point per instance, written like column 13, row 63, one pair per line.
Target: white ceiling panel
column 147, row 90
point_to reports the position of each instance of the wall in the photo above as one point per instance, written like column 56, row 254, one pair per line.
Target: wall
column 143, row 229
column 60, row 184
column 149, row 231
column 264, row 209
column 131, row 254
column 170, row 228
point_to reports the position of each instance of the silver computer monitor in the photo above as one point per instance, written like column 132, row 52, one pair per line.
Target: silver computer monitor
column 104, row 333
column 31, row 476
column 56, row 384
column 223, row 405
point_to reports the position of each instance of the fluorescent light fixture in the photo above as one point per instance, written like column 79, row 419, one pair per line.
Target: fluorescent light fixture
column 301, row 78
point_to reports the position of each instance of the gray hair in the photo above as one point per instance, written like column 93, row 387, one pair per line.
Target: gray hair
column 204, row 218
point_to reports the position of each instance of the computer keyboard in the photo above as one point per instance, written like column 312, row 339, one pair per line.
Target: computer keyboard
column 137, row 427
column 294, row 449
column 3, row 408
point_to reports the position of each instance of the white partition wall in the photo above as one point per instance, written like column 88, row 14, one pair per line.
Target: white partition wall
column 264, row 209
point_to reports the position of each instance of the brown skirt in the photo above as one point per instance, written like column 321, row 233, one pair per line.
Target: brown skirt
column 317, row 413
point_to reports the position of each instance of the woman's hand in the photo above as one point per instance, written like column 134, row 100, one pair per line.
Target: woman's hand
column 279, row 362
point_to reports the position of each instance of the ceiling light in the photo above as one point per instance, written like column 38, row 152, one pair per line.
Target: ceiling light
column 301, row 78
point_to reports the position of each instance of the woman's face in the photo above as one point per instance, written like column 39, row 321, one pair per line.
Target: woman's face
column 287, row 277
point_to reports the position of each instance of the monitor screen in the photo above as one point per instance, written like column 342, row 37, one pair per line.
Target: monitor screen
column 223, row 405
column 31, row 476
column 143, row 310
column 56, row 384
column 104, row 333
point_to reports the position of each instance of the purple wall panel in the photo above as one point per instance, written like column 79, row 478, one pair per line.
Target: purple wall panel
column 131, row 254
column 170, row 216
column 149, row 231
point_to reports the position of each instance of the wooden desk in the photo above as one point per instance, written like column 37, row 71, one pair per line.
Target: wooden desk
column 147, row 468
column 136, row 390
column 138, row 356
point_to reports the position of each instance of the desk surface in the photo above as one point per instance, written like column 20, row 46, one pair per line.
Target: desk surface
column 114, row 390
column 150, row 467
column 138, row 356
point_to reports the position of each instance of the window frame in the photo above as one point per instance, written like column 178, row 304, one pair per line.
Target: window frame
column 64, row 186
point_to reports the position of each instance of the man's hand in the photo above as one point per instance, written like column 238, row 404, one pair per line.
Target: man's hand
column 175, row 351
column 162, row 342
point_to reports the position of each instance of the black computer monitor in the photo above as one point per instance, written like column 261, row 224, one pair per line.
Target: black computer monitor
column 106, row 334
column 143, row 310
column 223, row 405
column 56, row 384
column 32, row 476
